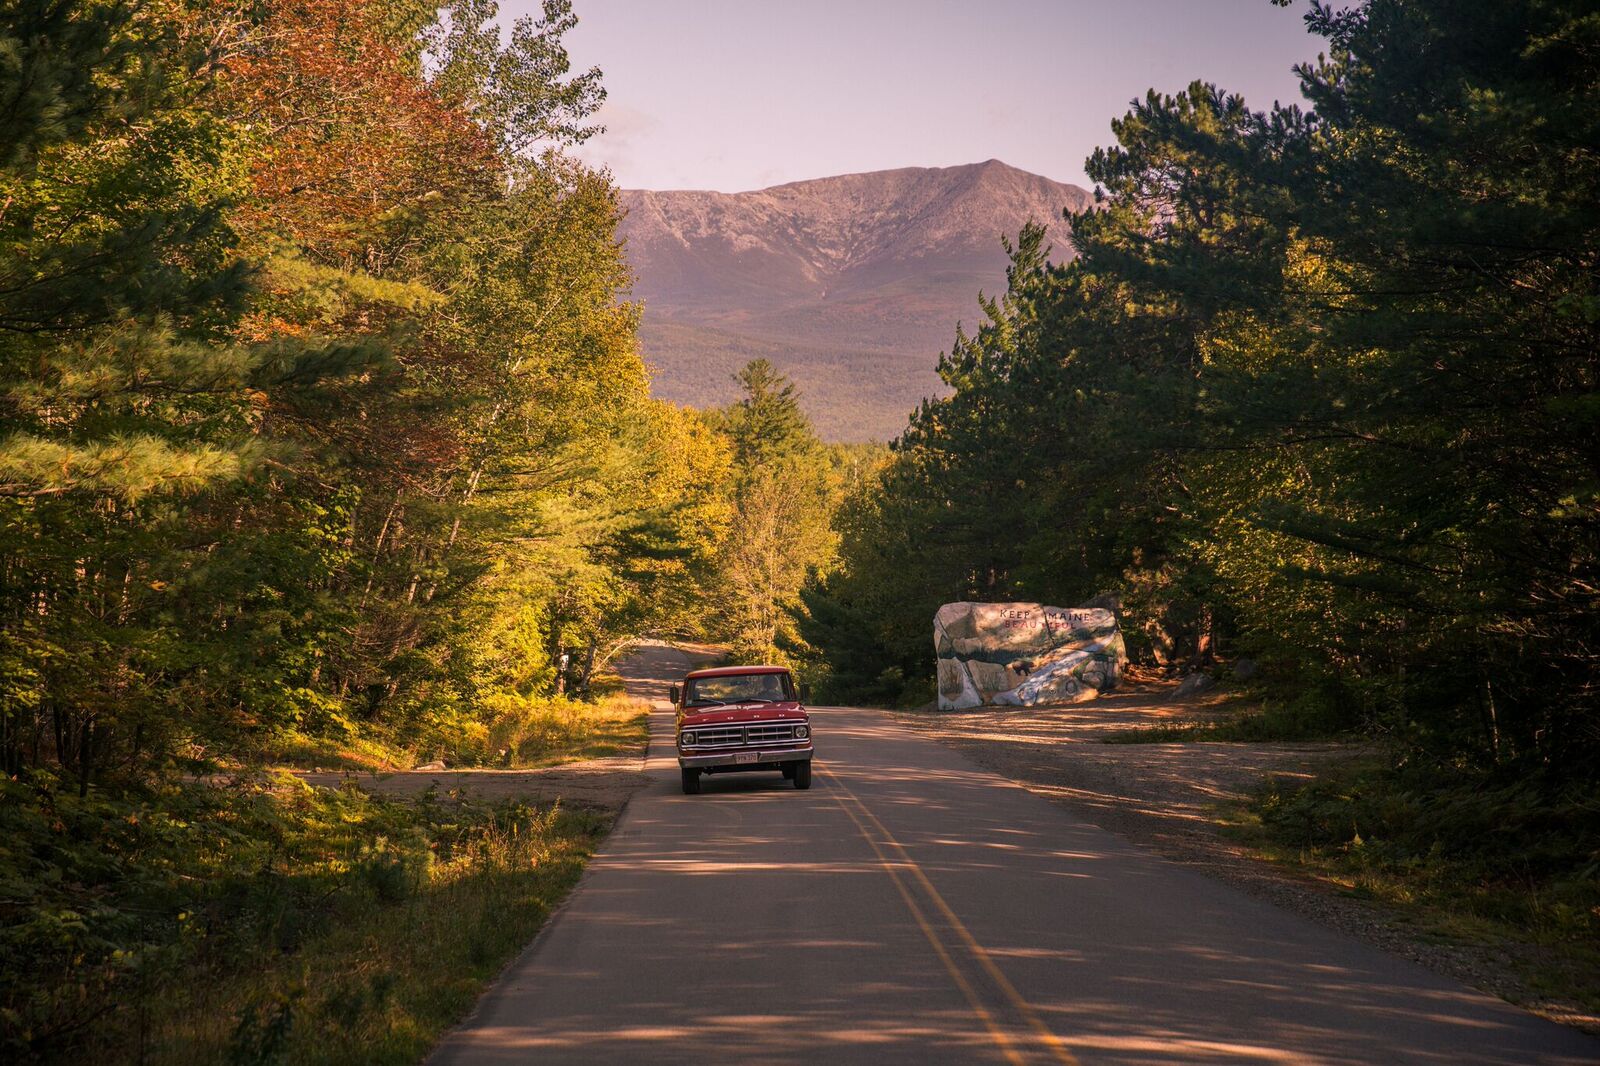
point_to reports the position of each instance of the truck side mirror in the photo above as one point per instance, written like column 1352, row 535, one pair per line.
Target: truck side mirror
column 805, row 693
column 672, row 694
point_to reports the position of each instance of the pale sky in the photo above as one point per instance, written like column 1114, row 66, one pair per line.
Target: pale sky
column 742, row 94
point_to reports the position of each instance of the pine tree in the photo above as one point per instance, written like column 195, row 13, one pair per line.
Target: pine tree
column 766, row 425
column 59, row 65
column 781, row 495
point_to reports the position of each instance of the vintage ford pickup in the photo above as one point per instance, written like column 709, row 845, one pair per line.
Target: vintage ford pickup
column 737, row 718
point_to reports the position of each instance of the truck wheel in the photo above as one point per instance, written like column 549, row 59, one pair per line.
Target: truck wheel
column 691, row 782
column 802, row 774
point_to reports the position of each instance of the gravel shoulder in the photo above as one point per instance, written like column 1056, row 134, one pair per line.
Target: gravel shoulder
column 600, row 784
column 1175, row 798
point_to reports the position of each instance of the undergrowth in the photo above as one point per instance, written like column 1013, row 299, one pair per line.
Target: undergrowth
column 263, row 922
column 508, row 730
column 1512, row 859
column 549, row 731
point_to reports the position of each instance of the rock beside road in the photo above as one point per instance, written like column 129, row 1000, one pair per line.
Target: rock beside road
column 1022, row 654
column 1194, row 684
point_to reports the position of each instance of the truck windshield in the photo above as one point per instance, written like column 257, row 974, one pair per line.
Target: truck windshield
column 765, row 688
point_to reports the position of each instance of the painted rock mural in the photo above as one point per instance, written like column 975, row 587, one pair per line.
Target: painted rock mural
column 1020, row 654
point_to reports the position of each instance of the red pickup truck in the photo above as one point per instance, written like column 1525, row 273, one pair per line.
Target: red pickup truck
column 737, row 718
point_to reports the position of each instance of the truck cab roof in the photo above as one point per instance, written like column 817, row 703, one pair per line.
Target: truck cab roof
column 734, row 671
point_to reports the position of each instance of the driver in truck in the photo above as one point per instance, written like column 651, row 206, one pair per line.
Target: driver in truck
column 742, row 718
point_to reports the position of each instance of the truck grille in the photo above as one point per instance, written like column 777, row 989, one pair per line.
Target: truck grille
column 739, row 736
column 768, row 734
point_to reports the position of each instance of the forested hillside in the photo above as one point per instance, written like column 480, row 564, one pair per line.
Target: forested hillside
column 319, row 398
column 323, row 436
column 1320, row 390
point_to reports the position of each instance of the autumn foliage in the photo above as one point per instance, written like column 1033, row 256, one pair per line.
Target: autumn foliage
column 323, row 432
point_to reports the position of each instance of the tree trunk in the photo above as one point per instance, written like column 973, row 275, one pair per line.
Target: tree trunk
column 85, row 756
column 1203, row 639
column 58, row 724
column 588, row 672
column 1491, row 720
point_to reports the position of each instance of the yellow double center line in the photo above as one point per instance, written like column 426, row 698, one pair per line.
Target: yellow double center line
column 884, row 844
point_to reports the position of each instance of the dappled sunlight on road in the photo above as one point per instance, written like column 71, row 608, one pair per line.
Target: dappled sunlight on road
column 735, row 1038
column 703, row 866
column 912, row 907
column 1172, row 788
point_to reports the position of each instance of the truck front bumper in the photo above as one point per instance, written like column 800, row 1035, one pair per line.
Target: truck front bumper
column 765, row 758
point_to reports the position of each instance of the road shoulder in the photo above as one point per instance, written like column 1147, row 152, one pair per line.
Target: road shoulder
column 604, row 784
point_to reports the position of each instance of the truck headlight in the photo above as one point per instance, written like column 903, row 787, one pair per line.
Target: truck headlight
column 686, row 739
column 801, row 732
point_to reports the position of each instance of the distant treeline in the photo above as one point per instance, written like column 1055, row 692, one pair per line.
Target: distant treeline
column 1321, row 389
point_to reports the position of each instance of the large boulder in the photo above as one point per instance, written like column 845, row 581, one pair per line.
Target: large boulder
column 1020, row 654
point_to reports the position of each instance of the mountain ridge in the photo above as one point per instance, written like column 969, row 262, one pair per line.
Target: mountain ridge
column 851, row 284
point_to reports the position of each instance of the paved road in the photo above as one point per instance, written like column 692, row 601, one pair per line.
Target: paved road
column 913, row 908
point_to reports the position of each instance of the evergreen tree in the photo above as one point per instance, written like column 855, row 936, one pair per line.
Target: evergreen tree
column 766, row 425
column 60, row 63
column 1318, row 386
column 781, row 497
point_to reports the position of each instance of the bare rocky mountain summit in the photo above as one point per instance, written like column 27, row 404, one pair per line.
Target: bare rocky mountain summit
column 852, row 285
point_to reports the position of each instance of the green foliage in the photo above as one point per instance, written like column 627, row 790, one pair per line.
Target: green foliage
column 323, row 435
column 783, row 486
column 260, row 922
column 1502, row 853
column 515, row 91
column 1315, row 389
column 766, row 427
column 332, row 441
column 57, row 72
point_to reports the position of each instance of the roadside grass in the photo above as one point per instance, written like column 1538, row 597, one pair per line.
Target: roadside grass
column 513, row 732
column 365, row 754
column 1507, row 864
column 530, row 733
column 266, row 922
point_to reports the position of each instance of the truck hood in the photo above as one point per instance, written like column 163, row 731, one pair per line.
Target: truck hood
column 744, row 712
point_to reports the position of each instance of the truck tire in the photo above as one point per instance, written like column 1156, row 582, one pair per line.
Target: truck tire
column 802, row 774
column 691, row 782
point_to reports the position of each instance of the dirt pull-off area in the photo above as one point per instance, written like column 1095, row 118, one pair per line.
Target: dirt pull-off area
column 1165, row 795
column 604, row 784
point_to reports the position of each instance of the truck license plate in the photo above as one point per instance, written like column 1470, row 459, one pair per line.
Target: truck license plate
column 746, row 756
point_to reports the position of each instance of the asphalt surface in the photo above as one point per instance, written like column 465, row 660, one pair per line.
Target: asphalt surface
column 913, row 908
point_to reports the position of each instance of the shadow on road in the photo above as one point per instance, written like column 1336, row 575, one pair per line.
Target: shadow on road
column 914, row 908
